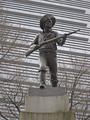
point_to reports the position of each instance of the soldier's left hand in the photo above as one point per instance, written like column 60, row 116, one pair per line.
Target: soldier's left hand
column 64, row 36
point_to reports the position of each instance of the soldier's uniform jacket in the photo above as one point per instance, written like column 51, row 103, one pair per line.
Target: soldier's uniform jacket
column 52, row 46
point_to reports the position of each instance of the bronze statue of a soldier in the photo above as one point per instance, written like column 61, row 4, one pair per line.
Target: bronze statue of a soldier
column 46, row 41
column 48, row 52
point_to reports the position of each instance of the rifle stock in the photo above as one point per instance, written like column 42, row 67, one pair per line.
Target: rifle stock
column 36, row 47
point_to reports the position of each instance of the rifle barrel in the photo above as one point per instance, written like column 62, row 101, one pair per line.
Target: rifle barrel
column 73, row 32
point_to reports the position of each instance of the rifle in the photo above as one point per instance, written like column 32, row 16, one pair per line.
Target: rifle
column 35, row 47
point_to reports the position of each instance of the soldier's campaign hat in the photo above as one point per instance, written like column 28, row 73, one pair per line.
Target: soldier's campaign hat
column 45, row 18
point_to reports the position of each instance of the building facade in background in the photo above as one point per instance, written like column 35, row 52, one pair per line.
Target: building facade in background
column 19, row 24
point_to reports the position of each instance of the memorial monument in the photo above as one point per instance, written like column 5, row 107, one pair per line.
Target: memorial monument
column 51, row 103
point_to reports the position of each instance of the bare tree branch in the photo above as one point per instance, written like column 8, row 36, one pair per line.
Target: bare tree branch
column 3, row 116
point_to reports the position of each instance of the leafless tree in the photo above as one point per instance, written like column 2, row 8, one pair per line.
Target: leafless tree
column 12, row 96
column 12, row 99
column 72, row 80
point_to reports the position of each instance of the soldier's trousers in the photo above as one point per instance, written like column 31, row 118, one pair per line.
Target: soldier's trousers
column 48, row 59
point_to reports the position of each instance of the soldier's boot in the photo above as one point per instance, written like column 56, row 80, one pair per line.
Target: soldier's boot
column 42, row 79
column 54, row 80
column 54, row 83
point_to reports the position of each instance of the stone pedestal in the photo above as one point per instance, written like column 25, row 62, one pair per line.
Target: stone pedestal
column 47, row 104
column 47, row 116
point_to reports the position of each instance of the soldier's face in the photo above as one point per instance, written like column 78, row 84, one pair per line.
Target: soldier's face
column 48, row 23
